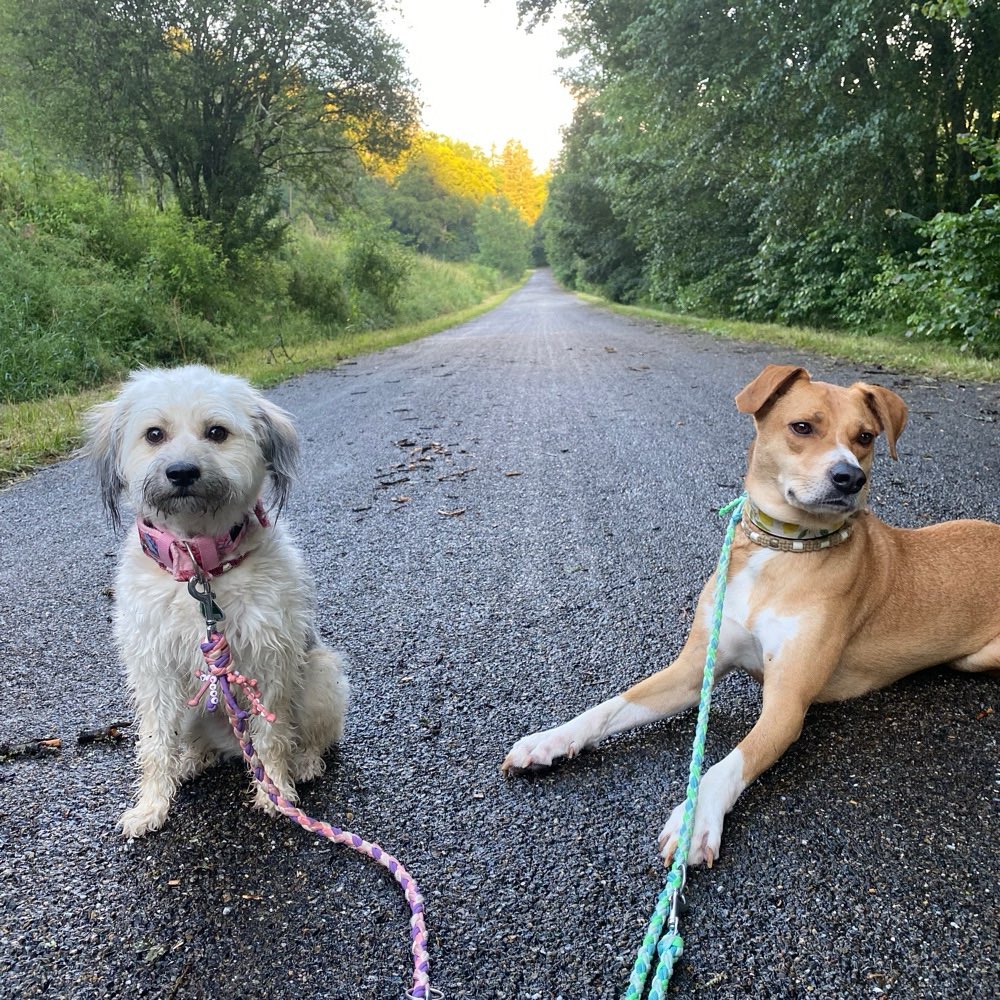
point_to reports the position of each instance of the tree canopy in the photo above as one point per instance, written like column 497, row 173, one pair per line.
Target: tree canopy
column 769, row 159
column 435, row 193
column 215, row 99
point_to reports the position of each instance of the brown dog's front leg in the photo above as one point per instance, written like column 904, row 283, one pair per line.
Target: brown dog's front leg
column 786, row 700
column 672, row 690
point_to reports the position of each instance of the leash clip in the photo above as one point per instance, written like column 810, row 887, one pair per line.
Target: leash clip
column 678, row 905
column 200, row 588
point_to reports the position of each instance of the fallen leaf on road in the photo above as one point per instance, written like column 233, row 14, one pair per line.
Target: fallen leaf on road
column 107, row 734
column 33, row 748
column 457, row 474
column 452, row 513
column 401, row 499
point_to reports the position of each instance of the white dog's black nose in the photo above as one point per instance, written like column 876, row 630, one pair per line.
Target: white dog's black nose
column 182, row 473
column 847, row 478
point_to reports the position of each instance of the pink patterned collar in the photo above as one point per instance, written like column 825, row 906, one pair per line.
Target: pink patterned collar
column 184, row 557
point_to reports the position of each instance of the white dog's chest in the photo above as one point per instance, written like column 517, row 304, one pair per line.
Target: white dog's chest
column 754, row 632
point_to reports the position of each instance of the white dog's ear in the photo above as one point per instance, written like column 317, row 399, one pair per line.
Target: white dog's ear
column 279, row 444
column 103, row 446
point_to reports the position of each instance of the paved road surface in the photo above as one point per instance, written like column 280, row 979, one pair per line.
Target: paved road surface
column 587, row 452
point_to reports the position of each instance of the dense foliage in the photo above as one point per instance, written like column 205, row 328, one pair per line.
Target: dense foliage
column 438, row 194
column 91, row 286
column 219, row 102
column 829, row 162
column 190, row 179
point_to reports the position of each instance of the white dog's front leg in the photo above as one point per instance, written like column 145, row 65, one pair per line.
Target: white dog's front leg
column 161, row 765
column 721, row 786
column 273, row 745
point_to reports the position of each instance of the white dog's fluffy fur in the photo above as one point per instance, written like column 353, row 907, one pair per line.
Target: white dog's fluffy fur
column 241, row 445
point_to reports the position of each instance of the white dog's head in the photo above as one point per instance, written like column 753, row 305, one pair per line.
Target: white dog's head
column 191, row 448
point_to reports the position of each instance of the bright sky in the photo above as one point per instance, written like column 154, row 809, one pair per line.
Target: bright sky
column 482, row 79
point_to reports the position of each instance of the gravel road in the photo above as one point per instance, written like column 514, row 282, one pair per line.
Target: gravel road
column 508, row 522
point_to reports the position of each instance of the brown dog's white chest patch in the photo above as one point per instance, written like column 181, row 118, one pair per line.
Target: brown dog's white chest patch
column 754, row 631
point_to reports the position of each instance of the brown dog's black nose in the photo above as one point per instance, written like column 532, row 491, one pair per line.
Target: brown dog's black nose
column 182, row 473
column 848, row 478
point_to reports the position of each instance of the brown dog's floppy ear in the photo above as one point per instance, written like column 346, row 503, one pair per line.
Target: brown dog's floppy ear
column 771, row 382
column 889, row 410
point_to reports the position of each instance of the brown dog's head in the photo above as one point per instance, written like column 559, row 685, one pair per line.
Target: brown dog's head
column 810, row 461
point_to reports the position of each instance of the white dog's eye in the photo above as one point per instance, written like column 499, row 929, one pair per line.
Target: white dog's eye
column 801, row 427
column 155, row 435
column 866, row 438
column 217, row 433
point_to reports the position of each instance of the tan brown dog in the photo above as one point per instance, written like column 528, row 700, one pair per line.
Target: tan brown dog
column 824, row 601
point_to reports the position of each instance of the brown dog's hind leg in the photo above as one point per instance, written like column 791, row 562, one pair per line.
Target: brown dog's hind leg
column 985, row 660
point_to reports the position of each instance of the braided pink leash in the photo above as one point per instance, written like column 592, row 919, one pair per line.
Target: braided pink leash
column 219, row 677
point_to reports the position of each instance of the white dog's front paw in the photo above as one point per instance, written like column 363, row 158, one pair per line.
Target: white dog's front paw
column 146, row 816
column 263, row 801
column 308, row 766
column 540, row 749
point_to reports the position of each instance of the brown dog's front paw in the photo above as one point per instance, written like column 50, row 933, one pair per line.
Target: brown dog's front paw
column 720, row 788
column 705, row 839
column 530, row 753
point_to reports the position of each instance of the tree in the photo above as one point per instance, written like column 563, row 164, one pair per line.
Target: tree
column 518, row 182
column 763, row 155
column 436, row 188
column 429, row 217
column 220, row 100
column 585, row 242
column 504, row 237
column 460, row 169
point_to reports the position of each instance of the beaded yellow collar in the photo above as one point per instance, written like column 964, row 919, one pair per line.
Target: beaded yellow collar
column 762, row 529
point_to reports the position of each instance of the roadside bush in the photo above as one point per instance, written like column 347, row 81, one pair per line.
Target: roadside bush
column 316, row 279
column 377, row 268
column 92, row 286
column 180, row 262
column 953, row 287
column 435, row 287
column 504, row 238
column 69, row 324
column 817, row 279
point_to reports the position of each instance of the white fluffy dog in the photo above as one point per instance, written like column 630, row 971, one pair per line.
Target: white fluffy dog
column 193, row 451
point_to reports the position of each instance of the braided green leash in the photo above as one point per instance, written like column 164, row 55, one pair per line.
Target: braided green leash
column 669, row 946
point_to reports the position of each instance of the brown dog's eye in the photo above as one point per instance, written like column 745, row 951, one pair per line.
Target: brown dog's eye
column 217, row 434
column 866, row 438
column 801, row 427
column 155, row 435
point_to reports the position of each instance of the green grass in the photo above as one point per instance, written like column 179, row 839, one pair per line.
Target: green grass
column 909, row 354
column 265, row 369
